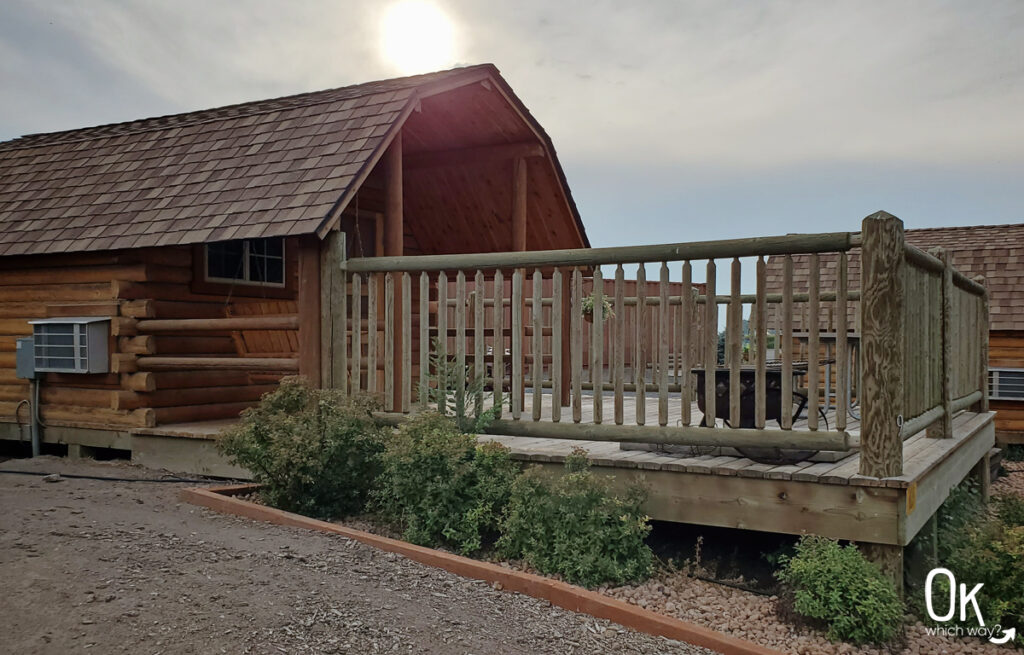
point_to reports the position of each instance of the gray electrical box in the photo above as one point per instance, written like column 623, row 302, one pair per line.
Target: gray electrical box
column 24, row 362
column 71, row 345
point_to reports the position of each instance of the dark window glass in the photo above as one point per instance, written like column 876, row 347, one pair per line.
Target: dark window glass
column 225, row 260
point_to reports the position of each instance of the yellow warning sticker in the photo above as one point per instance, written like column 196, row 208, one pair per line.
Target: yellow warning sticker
column 911, row 497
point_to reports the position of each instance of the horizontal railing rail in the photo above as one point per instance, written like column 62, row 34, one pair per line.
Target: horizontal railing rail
column 586, row 257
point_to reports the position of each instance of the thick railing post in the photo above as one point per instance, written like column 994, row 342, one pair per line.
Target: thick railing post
column 944, row 427
column 882, row 346
column 983, row 328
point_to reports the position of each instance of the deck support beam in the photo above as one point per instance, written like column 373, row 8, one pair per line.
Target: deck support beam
column 888, row 558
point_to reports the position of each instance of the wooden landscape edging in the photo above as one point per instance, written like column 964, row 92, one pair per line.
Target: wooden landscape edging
column 567, row 596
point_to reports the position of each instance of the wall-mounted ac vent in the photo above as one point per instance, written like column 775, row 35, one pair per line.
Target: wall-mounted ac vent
column 71, row 345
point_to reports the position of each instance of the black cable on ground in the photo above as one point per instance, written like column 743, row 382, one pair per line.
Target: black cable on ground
column 106, row 479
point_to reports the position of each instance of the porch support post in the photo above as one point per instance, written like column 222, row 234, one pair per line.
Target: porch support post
column 309, row 309
column 888, row 558
column 394, row 246
column 943, row 428
column 519, row 244
column 882, row 255
column 566, row 335
column 983, row 328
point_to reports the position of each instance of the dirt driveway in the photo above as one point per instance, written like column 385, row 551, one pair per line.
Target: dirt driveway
column 124, row 567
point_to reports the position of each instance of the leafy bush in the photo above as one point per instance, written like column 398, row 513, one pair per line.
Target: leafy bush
column 1010, row 510
column 314, row 451
column 440, row 487
column 835, row 586
column 452, row 389
column 574, row 526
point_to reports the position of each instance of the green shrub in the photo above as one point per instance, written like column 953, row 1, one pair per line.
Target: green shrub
column 314, row 451
column 835, row 586
column 440, row 487
column 574, row 526
column 1010, row 510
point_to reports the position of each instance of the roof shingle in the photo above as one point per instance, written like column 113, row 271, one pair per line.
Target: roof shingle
column 250, row 168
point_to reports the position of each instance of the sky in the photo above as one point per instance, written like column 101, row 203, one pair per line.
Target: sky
column 674, row 121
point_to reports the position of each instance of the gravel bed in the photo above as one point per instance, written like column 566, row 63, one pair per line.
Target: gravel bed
column 110, row 567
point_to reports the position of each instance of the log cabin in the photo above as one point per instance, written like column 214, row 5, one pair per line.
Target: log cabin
column 994, row 253
column 208, row 240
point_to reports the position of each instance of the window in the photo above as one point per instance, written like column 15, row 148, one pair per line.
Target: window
column 248, row 261
column 1006, row 383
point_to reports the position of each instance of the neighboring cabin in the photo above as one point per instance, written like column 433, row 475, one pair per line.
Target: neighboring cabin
column 995, row 252
column 208, row 239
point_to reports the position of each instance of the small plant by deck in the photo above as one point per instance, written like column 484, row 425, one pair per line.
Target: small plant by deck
column 573, row 525
column 457, row 393
column 440, row 487
column 314, row 451
column 834, row 586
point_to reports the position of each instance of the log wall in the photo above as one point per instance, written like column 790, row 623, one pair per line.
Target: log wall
column 129, row 287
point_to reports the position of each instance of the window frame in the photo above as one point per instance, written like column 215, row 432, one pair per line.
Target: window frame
column 246, row 278
column 240, row 288
column 993, row 386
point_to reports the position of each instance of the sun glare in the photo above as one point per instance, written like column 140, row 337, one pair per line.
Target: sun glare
column 417, row 37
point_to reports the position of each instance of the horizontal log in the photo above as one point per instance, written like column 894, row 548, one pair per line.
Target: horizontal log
column 203, row 363
column 138, row 308
column 130, row 272
column 56, row 292
column 92, row 416
column 13, row 393
column 129, row 290
column 15, row 326
column 175, row 256
column 669, row 435
column 123, row 363
column 192, row 413
column 96, row 308
column 143, row 382
column 70, row 397
column 205, row 345
column 729, row 248
column 470, row 157
column 142, row 344
column 91, row 381
column 195, row 396
column 123, row 326
column 918, row 423
column 255, row 322
column 190, row 379
column 965, row 401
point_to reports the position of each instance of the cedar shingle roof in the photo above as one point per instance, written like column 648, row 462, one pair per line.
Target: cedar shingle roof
column 266, row 168
column 994, row 251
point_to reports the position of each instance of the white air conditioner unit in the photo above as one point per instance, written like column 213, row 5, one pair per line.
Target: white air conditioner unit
column 71, row 345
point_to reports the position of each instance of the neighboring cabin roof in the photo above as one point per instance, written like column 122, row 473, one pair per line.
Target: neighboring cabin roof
column 994, row 251
column 257, row 169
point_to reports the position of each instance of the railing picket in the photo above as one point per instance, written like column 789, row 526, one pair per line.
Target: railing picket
column 424, row 338
column 371, row 333
column 786, row 403
column 357, row 332
column 734, row 348
column 640, row 356
column 664, row 336
column 442, row 338
column 460, row 343
column 406, row 343
column 498, row 344
column 813, row 340
column 685, row 344
column 478, row 339
column 537, row 341
column 710, row 347
column 842, row 344
column 389, row 342
column 556, row 346
column 576, row 345
column 597, row 346
column 761, row 310
column 341, row 374
column 619, row 354
column 517, row 344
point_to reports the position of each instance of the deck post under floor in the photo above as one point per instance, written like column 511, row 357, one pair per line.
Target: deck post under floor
column 888, row 558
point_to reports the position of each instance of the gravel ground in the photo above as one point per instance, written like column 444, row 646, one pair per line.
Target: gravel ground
column 753, row 617
column 111, row 567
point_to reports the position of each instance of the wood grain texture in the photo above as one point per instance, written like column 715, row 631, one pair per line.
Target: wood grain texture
column 881, row 345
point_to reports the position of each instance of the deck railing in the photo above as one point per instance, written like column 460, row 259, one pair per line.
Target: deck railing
column 516, row 320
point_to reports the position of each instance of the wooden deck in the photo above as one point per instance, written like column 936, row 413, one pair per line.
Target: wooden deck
column 722, row 488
